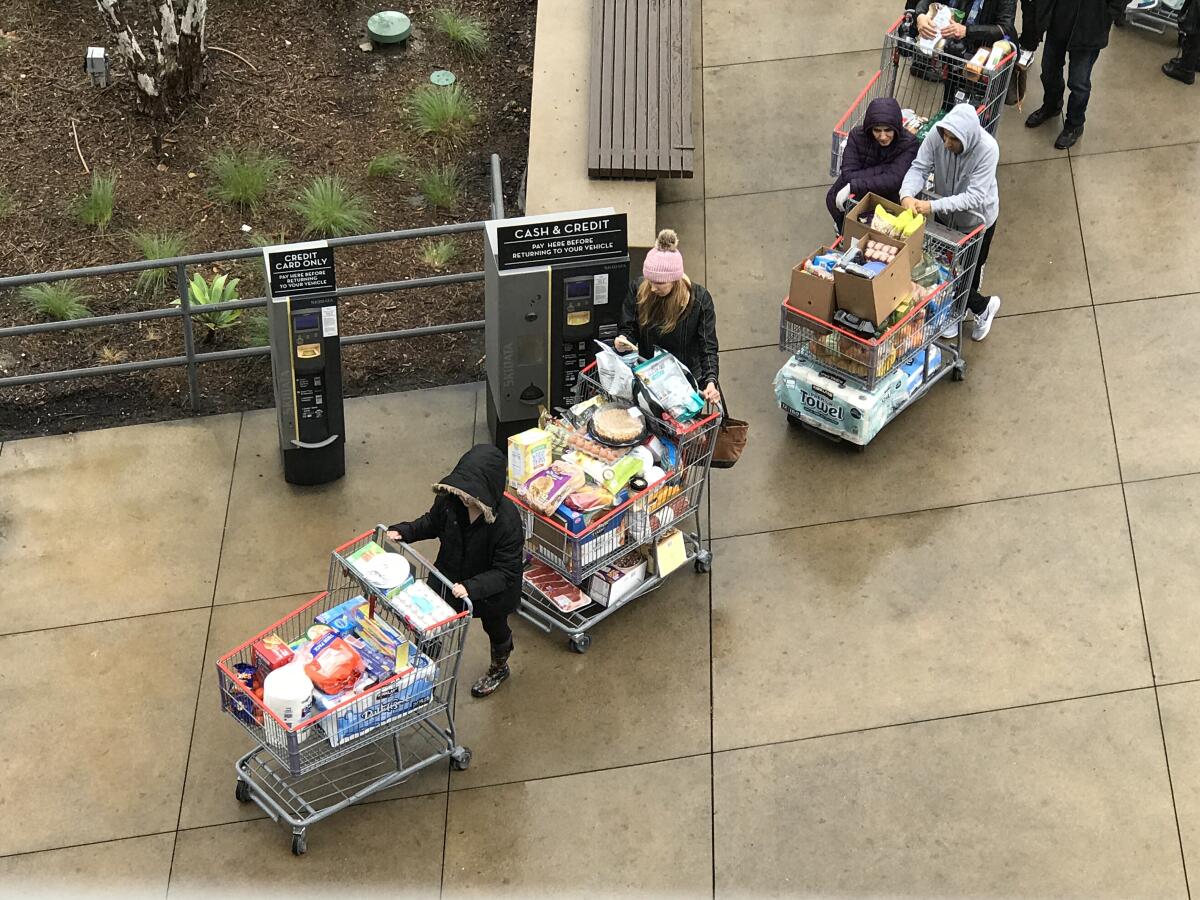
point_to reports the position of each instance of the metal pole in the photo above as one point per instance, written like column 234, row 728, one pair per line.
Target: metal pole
column 189, row 340
column 497, row 188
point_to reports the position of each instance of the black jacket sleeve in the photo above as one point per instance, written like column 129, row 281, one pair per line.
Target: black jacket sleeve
column 1003, row 26
column 629, row 320
column 508, row 562
column 422, row 529
column 709, row 349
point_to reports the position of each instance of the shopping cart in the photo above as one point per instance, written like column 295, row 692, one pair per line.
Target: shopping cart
column 926, row 86
column 1158, row 18
column 639, row 521
column 868, row 361
column 372, row 741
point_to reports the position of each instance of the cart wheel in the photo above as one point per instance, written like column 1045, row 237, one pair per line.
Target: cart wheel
column 242, row 791
column 460, row 759
column 580, row 642
column 960, row 371
column 299, row 845
column 703, row 562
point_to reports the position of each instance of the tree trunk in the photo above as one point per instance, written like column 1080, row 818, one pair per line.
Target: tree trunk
column 162, row 44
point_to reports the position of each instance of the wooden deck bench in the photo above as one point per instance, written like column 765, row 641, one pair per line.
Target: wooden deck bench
column 640, row 90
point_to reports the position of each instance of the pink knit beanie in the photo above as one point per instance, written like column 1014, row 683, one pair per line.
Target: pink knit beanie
column 664, row 262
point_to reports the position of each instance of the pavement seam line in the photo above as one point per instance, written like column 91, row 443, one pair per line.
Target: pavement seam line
column 927, row 509
column 204, row 653
column 932, row 719
column 1162, row 732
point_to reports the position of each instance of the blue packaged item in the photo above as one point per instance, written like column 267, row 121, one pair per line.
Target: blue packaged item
column 914, row 369
column 341, row 618
column 874, row 268
column 239, row 703
column 373, row 708
column 377, row 665
column 573, row 519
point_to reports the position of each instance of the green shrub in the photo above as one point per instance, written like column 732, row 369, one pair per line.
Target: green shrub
column 466, row 33
column 445, row 114
column 255, row 331
column 387, row 165
column 437, row 254
column 156, row 245
column 222, row 290
column 59, row 301
column 329, row 209
column 441, row 185
column 244, row 176
column 95, row 208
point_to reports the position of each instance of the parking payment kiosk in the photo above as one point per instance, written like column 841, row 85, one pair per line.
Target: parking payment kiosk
column 554, row 285
column 306, row 362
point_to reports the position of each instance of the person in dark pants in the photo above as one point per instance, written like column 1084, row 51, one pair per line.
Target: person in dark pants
column 963, row 159
column 1078, row 30
column 984, row 22
column 482, row 549
column 876, row 159
column 1183, row 67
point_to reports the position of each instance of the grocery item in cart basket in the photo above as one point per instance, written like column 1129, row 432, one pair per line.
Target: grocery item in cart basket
column 613, row 584
column 422, row 608
column 374, row 708
column 388, row 573
column 528, row 454
column 670, row 386
column 272, row 652
column 335, row 665
column 287, row 692
column 824, row 399
column 618, row 425
column 546, row 490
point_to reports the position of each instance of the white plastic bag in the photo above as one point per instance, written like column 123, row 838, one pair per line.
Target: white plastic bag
column 616, row 378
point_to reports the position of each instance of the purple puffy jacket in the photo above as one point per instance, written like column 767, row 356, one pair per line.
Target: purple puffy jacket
column 869, row 168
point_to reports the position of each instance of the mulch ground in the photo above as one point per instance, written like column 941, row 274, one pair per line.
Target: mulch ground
column 308, row 94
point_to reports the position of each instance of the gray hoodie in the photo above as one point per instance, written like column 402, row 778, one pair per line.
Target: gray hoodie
column 964, row 181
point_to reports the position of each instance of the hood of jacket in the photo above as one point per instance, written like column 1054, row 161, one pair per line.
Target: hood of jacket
column 884, row 111
column 962, row 122
column 478, row 476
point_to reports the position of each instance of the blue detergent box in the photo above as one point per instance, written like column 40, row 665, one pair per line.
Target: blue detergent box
column 373, row 708
column 914, row 369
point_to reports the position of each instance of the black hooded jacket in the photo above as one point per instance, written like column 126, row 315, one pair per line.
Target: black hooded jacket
column 870, row 168
column 1080, row 24
column 485, row 556
column 997, row 21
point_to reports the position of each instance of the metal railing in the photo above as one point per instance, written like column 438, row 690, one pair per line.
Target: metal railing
column 186, row 310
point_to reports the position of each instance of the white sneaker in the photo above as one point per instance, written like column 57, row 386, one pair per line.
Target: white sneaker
column 983, row 320
column 950, row 332
column 1141, row 5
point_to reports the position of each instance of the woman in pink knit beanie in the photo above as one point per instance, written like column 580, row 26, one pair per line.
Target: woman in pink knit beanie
column 666, row 310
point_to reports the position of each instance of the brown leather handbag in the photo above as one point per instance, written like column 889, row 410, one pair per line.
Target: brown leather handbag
column 731, row 439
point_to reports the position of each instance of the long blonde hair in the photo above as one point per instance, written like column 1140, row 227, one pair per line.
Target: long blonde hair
column 664, row 313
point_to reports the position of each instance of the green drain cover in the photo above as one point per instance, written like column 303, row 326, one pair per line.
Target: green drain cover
column 443, row 77
column 389, row 27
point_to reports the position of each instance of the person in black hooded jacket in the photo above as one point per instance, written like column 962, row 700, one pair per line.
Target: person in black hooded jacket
column 986, row 22
column 878, row 155
column 482, row 549
column 1079, row 28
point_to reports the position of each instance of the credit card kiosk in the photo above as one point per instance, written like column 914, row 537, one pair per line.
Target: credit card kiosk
column 554, row 285
column 306, row 362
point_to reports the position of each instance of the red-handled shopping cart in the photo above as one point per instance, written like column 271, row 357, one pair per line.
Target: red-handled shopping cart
column 870, row 362
column 926, row 85
column 370, row 740
column 641, row 520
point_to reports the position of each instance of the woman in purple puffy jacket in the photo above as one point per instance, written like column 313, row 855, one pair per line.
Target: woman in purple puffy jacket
column 877, row 156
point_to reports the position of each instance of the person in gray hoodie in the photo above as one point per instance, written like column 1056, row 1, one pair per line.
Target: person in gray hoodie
column 962, row 158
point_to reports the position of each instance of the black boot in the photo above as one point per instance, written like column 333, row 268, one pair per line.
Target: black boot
column 1177, row 70
column 1040, row 116
column 496, row 674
